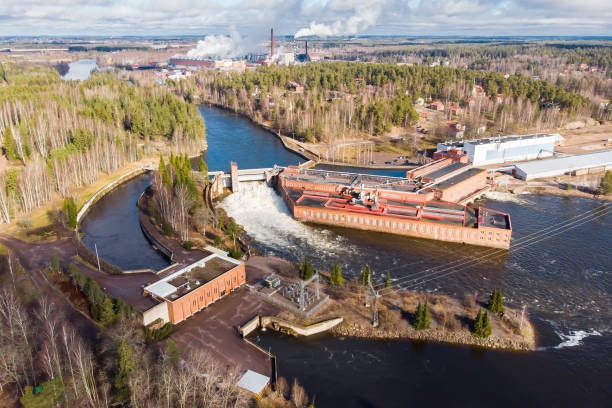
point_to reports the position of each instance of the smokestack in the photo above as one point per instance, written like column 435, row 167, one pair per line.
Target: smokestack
column 271, row 42
column 306, row 47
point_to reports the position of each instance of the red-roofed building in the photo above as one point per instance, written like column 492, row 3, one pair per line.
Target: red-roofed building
column 436, row 105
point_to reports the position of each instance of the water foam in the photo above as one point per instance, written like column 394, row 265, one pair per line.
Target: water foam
column 266, row 218
column 574, row 338
column 509, row 197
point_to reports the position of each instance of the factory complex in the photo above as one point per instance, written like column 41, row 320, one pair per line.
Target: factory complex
column 429, row 203
column 502, row 149
column 273, row 57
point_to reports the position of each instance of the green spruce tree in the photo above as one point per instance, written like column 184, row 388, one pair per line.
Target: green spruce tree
column 203, row 168
column 106, row 312
column 125, row 367
column 70, row 209
column 486, row 326
column 306, row 269
column 10, row 148
column 366, row 275
column 335, row 278
column 417, row 321
column 173, row 351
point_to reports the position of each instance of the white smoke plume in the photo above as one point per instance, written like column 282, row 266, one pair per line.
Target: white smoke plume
column 363, row 17
column 217, row 46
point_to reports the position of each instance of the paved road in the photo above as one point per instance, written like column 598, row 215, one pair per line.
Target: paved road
column 36, row 256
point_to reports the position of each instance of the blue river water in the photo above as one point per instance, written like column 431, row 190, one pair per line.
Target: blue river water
column 563, row 276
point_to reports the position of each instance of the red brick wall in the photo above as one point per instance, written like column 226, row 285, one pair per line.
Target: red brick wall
column 463, row 189
column 206, row 294
column 406, row 227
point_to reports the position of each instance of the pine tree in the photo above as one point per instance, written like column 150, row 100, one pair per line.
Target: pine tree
column 125, row 366
column 417, row 322
column 306, row 269
column 174, row 352
column 366, row 275
column 492, row 300
column 106, row 312
column 486, row 326
column 10, row 148
column 335, row 278
column 203, row 168
column 426, row 317
column 500, row 301
column 388, row 283
column 70, row 209
column 496, row 302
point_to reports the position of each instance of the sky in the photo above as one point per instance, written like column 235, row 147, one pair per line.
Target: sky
column 253, row 18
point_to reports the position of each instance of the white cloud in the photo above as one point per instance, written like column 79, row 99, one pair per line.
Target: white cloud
column 253, row 18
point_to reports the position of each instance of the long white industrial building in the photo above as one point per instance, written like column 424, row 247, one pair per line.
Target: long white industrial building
column 589, row 163
column 503, row 149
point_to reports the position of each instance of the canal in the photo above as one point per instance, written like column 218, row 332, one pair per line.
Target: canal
column 564, row 281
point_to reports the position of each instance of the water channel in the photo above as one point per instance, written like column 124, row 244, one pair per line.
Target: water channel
column 565, row 282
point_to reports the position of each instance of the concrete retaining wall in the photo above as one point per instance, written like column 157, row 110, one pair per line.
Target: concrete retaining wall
column 276, row 323
column 106, row 188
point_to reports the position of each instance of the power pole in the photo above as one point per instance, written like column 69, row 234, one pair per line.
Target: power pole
column 375, row 295
column 97, row 257
column 522, row 317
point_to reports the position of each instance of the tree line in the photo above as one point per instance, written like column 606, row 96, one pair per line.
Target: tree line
column 344, row 100
column 58, row 135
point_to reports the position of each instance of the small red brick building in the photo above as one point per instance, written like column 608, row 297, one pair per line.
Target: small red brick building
column 191, row 288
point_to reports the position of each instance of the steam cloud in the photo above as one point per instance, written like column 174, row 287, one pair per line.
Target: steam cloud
column 363, row 18
column 218, row 46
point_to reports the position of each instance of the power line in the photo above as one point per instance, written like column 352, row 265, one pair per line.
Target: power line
column 437, row 274
column 522, row 244
column 518, row 242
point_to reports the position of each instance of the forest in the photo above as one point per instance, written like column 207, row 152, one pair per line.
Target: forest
column 58, row 135
column 557, row 62
column 343, row 100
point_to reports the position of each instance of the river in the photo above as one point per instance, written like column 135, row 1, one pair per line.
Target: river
column 565, row 282
column 80, row 69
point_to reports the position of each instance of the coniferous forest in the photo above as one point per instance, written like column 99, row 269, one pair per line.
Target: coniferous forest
column 356, row 100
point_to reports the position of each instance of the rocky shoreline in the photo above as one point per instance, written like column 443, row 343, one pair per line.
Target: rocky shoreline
column 432, row 335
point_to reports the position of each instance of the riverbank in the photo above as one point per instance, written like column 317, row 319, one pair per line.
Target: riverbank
column 302, row 149
column 451, row 317
column 39, row 217
column 565, row 186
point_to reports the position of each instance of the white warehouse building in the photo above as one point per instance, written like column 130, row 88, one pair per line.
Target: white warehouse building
column 579, row 164
column 503, row 149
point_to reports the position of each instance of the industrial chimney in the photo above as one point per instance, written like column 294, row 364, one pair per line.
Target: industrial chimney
column 271, row 43
column 306, row 47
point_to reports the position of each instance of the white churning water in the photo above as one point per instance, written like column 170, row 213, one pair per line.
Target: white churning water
column 266, row 218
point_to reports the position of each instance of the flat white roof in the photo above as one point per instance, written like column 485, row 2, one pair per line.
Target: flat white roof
column 253, row 382
column 567, row 163
column 161, row 289
column 502, row 139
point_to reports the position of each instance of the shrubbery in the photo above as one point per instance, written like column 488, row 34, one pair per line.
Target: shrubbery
column 102, row 307
column 152, row 335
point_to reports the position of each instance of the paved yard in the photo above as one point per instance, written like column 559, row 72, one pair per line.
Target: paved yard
column 215, row 330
